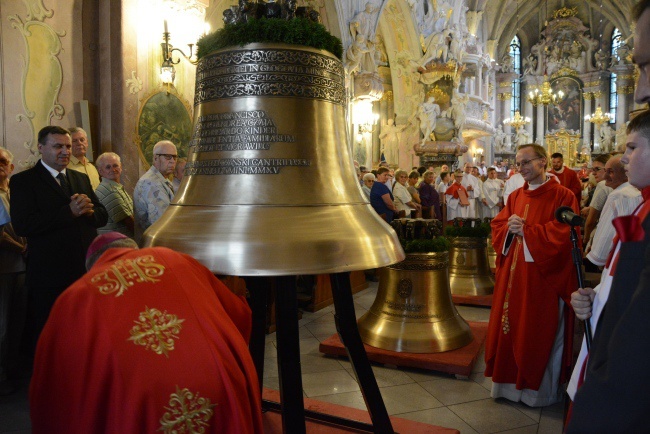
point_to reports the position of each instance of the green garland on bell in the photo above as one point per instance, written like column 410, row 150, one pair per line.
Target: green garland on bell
column 435, row 245
column 481, row 230
column 297, row 31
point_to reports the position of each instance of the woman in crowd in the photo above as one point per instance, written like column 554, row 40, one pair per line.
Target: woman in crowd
column 381, row 198
column 403, row 199
column 112, row 195
column 368, row 180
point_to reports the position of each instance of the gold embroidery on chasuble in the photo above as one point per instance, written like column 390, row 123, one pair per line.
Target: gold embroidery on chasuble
column 187, row 413
column 124, row 273
column 156, row 331
column 505, row 320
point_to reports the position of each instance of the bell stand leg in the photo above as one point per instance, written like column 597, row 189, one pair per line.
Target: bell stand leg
column 257, row 290
column 346, row 326
column 286, row 319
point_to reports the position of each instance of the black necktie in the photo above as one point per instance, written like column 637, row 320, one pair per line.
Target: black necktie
column 64, row 184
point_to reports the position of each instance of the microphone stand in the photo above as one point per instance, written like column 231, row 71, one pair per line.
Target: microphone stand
column 577, row 261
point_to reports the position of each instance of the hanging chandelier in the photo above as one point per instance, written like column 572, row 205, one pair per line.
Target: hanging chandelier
column 545, row 94
column 598, row 117
column 517, row 121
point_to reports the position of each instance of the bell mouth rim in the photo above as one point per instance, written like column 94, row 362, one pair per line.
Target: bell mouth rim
column 271, row 45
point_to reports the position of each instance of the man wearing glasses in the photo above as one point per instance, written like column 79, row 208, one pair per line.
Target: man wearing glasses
column 154, row 192
column 534, row 279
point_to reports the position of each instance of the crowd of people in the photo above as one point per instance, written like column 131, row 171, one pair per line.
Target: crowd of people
column 434, row 193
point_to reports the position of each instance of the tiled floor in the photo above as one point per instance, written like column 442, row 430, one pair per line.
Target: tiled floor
column 423, row 396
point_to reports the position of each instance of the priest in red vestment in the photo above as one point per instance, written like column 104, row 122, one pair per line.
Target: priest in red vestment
column 525, row 347
column 567, row 176
column 146, row 341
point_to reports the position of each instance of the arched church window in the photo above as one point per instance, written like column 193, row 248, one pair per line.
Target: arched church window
column 617, row 40
column 515, row 53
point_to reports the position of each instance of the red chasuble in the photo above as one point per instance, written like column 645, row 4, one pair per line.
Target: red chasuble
column 570, row 180
column 148, row 340
column 523, row 320
column 453, row 190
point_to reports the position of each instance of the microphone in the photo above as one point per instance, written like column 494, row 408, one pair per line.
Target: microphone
column 565, row 214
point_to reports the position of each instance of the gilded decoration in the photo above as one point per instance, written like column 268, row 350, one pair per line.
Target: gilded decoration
column 505, row 84
column 387, row 96
column 42, row 74
column 565, row 143
column 164, row 115
column 625, row 90
column 124, row 273
column 156, row 330
column 564, row 71
column 187, row 413
column 565, row 13
column 504, row 96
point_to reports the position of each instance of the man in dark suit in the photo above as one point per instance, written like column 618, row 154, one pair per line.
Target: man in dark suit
column 614, row 396
column 58, row 212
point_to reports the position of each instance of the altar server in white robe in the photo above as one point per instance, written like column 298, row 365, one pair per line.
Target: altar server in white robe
column 454, row 206
column 492, row 194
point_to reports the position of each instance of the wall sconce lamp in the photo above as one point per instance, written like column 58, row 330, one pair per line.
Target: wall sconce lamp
column 167, row 72
column 478, row 153
column 364, row 116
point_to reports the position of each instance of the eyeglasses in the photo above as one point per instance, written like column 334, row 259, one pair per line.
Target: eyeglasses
column 4, row 162
column 596, row 169
column 169, row 156
column 526, row 162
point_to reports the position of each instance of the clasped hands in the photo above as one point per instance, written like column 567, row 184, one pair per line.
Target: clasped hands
column 81, row 204
column 516, row 225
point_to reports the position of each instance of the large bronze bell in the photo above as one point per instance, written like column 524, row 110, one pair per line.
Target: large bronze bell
column 413, row 311
column 492, row 254
column 469, row 271
column 270, row 188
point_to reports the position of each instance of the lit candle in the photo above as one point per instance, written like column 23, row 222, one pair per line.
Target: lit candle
column 166, row 27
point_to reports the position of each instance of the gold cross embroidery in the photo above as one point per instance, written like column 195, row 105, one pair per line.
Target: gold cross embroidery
column 187, row 413
column 156, row 331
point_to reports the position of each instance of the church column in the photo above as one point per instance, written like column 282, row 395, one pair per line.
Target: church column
column 624, row 88
column 587, row 127
column 478, row 91
column 528, row 112
column 540, row 123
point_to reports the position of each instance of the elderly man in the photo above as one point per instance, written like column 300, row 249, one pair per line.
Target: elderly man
column 616, row 376
column 179, row 171
column 147, row 341
column 567, row 176
column 113, row 196
column 623, row 200
column 598, row 199
column 58, row 212
column 78, row 160
column 534, row 279
column 12, row 278
column 471, row 184
column 154, row 192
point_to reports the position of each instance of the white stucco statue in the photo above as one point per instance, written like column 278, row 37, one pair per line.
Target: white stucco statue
column 522, row 137
column 506, row 63
column 428, row 113
column 458, row 111
column 355, row 53
column 389, row 138
column 601, row 58
column 499, row 139
column 362, row 30
column 606, row 138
